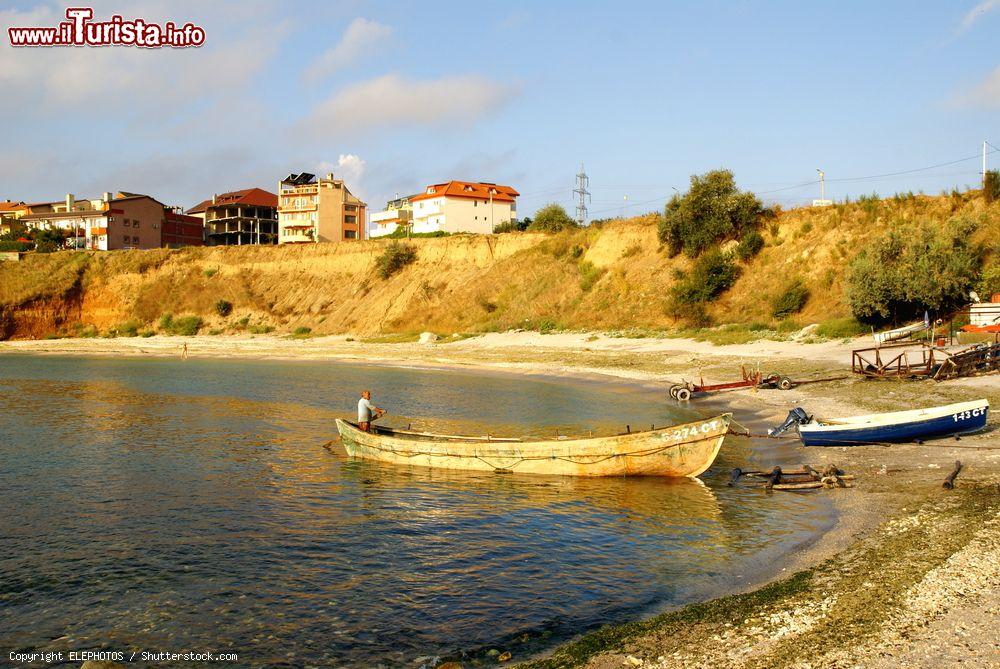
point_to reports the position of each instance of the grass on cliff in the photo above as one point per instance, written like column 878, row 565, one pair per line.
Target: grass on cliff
column 611, row 277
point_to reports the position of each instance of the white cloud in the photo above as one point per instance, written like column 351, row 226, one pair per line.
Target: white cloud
column 390, row 100
column 978, row 12
column 985, row 94
column 361, row 35
column 156, row 81
column 351, row 169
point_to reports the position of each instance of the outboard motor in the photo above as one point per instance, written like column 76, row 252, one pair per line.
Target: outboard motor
column 796, row 416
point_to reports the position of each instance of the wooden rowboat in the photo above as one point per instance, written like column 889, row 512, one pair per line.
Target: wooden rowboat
column 678, row 450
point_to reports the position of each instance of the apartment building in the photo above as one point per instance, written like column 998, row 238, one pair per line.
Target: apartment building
column 113, row 222
column 398, row 212
column 463, row 206
column 181, row 230
column 248, row 216
column 10, row 212
column 318, row 210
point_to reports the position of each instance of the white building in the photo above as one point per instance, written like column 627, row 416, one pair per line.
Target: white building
column 397, row 212
column 463, row 206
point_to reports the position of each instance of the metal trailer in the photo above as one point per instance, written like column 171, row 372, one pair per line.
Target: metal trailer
column 752, row 379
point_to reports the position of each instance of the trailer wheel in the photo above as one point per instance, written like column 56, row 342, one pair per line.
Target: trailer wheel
column 673, row 391
column 785, row 383
column 683, row 394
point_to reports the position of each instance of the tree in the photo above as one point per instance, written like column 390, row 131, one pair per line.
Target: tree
column 552, row 218
column 991, row 186
column 47, row 241
column 712, row 211
column 900, row 276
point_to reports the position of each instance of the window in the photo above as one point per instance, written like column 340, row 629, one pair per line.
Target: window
column 125, row 239
column 350, row 234
column 475, row 203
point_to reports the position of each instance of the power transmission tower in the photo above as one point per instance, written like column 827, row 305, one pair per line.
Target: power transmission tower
column 582, row 182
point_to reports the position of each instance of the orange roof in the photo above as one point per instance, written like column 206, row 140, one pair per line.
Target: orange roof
column 255, row 197
column 477, row 190
column 7, row 205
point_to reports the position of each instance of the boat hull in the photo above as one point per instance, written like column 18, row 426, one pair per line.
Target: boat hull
column 676, row 451
column 910, row 426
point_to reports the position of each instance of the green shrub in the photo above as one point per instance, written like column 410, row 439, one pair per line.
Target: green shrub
column 750, row 245
column 242, row 323
column 551, row 218
column 146, row 334
column 589, row 275
column 841, row 328
column 184, row 326
column 223, row 308
column 302, row 331
column 129, row 328
column 713, row 210
column 395, row 257
column 546, row 325
column 991, row 186
column 633, row 250
column 210, row 272
column 989, row 283
column 47, row 241
column 86, row 331
column 260, row 329
column 512, row 226
column 900, row 276
column 790, row 300
column 713, row 273
column 7, row 245
column 403, row 232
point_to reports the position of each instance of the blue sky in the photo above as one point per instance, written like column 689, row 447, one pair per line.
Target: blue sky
column 394, row 96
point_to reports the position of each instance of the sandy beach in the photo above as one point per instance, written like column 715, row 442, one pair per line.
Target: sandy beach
column 906, row 577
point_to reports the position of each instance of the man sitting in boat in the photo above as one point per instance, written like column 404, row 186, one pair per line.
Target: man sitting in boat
column 367, row 412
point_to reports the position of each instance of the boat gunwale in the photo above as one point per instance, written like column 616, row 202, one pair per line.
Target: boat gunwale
column 404, row 435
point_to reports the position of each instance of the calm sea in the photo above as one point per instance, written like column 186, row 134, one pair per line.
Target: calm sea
column 190, row 506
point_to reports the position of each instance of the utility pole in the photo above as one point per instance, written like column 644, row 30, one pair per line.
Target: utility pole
column 822, row 184
column 626, row 206
column 984, row 164
column 582, row 182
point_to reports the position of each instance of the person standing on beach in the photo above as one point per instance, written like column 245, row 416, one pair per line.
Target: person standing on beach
column 367, row 412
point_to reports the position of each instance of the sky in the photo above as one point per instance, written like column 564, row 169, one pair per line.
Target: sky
column 393, row 96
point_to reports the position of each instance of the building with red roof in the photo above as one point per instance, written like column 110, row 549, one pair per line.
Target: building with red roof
column 114, row 221
column 463, row 206
column 248, row 216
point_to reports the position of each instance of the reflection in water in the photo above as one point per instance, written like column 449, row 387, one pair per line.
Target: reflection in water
column 178, row 506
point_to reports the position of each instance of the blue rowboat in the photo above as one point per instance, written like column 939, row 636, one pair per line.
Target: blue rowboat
column 899, row 426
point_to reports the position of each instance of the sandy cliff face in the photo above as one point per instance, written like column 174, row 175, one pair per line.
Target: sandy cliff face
column 615, row 277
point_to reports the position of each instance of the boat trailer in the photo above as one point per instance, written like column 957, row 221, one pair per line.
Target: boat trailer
column 752, row 379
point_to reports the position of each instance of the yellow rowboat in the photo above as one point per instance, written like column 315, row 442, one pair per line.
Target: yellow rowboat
column 678, row 450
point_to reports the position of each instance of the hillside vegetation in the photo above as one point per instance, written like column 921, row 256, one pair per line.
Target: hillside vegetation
column 618, row 276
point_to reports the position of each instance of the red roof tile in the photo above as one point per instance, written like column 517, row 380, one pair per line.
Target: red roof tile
column 471, row 189
column 254, row 197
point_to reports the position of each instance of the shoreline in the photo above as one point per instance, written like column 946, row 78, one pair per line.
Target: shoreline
column 891, row 482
